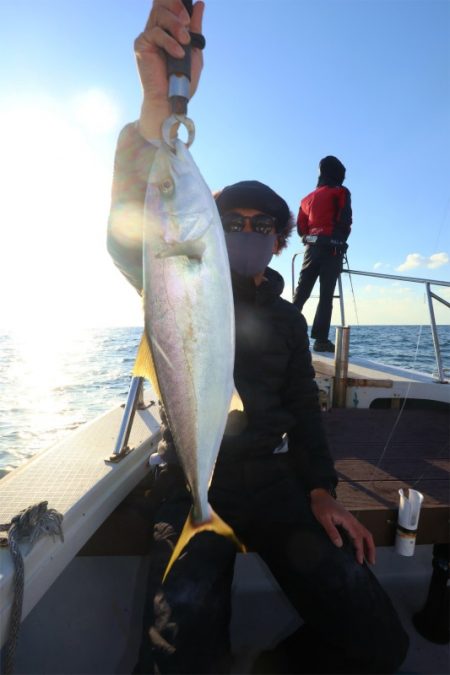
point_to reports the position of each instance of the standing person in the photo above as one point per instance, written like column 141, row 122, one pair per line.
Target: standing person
column 324, row 221
column 281, row 505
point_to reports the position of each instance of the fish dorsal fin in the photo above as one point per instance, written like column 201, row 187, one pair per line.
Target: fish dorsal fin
column 190, row 529
column 144, row 365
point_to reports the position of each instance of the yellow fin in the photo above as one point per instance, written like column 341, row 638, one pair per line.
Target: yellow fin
column 214, row 524
column 144, row 365
column 236, row 402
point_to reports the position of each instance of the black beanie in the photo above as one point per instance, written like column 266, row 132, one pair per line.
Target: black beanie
column 251, row 194
column 332, row 170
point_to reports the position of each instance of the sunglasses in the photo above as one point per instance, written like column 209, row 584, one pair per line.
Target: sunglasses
column 260, row 223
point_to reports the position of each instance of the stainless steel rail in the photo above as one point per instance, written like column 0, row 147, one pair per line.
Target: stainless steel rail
column 416, row 280
column 134, row 401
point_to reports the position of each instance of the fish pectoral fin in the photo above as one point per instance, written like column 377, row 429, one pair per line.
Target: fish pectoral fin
column 237, row 419
column 192, row 249
column 236, row 402
column 144, row 365
column 190, row 529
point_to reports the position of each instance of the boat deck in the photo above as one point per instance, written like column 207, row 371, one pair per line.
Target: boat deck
column 364, row 369
column 368, row 381
column 377, row 452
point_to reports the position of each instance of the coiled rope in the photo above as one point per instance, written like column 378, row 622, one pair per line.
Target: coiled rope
column 30, row 524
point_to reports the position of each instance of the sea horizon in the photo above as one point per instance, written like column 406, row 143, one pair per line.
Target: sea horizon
column 50, row 387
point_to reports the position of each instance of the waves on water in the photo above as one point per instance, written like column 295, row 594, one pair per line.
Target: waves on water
column 51, row 385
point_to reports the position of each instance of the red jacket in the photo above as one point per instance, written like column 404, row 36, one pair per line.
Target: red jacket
column 327, row 213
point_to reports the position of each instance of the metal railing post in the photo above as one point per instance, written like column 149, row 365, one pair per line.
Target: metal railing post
column 341, row 366
column 437, row 347
column 133, row 400
column 341, row 300
column 293, row 274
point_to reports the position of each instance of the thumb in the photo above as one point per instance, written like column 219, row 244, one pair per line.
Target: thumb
column 197, row 17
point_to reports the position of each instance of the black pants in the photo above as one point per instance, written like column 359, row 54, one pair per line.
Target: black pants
column 325, row 263
column 351, row 626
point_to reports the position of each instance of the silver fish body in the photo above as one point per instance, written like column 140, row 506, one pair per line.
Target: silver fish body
column 189, row 313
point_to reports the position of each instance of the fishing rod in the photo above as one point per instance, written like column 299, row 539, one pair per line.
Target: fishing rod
column 351, row 286
column 179, row 76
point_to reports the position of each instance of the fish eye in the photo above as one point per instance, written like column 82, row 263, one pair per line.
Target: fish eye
column 167, row 187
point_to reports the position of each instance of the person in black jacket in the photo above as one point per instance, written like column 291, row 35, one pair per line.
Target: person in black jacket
column 279, row 503
column 324, row 222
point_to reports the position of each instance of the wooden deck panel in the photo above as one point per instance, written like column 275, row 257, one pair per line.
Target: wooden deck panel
column 377, row 452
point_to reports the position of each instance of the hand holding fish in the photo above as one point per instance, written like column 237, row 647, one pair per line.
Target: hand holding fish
column 330, row 514
column 166, row 32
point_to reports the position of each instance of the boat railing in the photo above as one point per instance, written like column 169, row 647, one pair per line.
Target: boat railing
column 135, row 393
column 441, row 376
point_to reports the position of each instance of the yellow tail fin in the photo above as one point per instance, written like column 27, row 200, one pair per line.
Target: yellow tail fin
column 144, row 366
column 214, row 524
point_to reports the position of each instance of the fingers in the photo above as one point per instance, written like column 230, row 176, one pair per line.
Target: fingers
column 361, row 538
column 174, row 7
column 158, row 38
column 359, row 548
column 168, row 27
column 331, row 514
column 197, row 17
column 332, row 532
column 370, row 550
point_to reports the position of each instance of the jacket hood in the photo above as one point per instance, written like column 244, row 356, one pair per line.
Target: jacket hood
column 254, row 195
column 331, row 171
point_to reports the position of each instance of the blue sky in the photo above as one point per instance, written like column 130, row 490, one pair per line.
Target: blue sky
column 285, row 83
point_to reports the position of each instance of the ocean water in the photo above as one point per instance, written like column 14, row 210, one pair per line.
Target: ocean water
column 52, row 384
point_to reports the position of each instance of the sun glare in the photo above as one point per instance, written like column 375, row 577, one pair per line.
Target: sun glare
column 95, row 111
column 56, row 180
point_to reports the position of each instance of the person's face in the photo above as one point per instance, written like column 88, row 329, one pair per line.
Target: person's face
column 247, row 214
column 251, row 240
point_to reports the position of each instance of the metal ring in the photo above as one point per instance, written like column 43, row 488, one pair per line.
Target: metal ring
column 173, row 120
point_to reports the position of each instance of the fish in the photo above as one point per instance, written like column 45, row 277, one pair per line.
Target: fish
column 188, row 345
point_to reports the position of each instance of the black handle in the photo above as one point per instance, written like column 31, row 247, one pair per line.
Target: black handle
column 181, row 68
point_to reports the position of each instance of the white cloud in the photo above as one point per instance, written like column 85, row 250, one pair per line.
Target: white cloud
column 412, row 260
column 431, row 262
column 381, row 266
column 437, row 260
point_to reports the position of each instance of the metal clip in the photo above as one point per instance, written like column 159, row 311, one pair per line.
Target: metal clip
column 175, row 120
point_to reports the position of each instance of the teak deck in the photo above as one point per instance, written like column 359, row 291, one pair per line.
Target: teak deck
column 377, row 452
